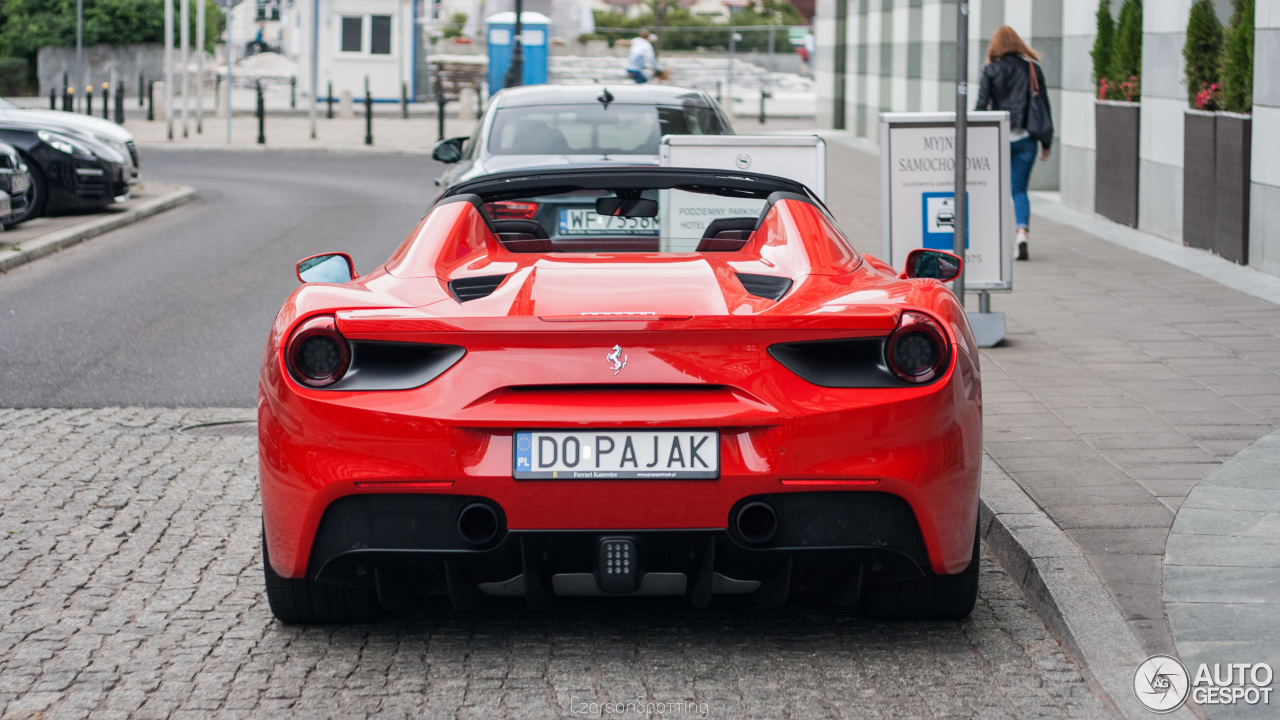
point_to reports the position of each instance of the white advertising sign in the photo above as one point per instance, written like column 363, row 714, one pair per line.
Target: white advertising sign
column 684, row 216
column 917, row 166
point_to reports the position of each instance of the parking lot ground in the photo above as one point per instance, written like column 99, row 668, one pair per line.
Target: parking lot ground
column 131, row 586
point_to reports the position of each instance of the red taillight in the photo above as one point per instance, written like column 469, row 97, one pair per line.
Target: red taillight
column 917, row 351
column 508, row 210
column 317, row 355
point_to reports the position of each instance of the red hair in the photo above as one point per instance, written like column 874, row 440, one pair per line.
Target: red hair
column 1005, row 41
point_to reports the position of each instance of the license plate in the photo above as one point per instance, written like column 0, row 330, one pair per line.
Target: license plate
column 617, row 455
column 589, row 222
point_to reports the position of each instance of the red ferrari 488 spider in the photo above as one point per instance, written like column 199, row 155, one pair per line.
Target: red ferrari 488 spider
column 624, row 381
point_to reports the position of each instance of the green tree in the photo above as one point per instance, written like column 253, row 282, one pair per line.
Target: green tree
column 1102, row 42
column 1237, row 63
column 1126, row 51
column 28, row 25
column 1202, row 48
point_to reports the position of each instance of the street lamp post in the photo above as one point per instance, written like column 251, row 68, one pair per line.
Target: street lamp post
column 200, row 67
column 168, row 65
column 515, row 71
column 79, row 43
column 961, row 194
column 184, row 22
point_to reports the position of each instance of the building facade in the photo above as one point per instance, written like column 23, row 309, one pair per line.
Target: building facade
column 899, row 55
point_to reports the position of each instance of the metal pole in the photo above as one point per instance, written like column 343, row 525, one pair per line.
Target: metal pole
column 200, row 66
column 88, row 99
column 79, row 43
column 229, row 46
column 961, row 193
column 106, row 101
column 142, row 88
column 293, row 92
column 185, row 40
column 440, row 101
column 328, row 114
column 168, row 65
column 772, row 39
column 53, row 98
column 315, row 65
column 404, row 101
column 515, row 71
column 368, row 113
column 262, row 117
column 728, row 83
column 151, row 101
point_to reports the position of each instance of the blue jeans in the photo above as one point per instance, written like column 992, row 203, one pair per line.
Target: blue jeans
column 638, row 76
column 1022, row 157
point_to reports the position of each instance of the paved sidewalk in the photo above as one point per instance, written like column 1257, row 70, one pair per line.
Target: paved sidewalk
column 1123, row 382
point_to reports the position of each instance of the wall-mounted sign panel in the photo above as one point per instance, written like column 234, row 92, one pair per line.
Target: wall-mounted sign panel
column 917, row 192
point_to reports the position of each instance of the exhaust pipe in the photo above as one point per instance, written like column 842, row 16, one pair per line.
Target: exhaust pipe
column 757, row 522
column 478, row 524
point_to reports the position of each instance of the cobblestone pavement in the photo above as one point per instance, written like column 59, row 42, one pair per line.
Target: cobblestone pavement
column 131, row 586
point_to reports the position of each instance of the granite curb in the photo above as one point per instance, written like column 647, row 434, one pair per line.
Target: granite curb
column 1063, row 589
column 66, row 237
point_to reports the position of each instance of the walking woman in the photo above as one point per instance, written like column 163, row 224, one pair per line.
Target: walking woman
column 1012, row 80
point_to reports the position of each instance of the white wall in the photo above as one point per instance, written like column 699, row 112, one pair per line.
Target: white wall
column 1264, row 206
column 348, row 71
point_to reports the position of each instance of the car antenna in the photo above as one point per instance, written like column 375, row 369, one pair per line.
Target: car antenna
column 605, row 98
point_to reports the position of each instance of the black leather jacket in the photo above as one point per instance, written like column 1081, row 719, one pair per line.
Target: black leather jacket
column 1006, row 85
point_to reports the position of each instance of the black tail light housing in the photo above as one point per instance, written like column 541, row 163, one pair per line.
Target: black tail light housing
column 917, row 351
column 317, row 355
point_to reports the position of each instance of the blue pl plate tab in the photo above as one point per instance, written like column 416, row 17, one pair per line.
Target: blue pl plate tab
column 938, row 213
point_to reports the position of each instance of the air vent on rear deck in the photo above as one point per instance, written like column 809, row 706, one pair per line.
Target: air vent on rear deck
column 474, row 288
column 765, row 286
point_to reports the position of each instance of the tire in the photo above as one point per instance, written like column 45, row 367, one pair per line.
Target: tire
column 303, row 601
column 38, row 193
column 933, row 597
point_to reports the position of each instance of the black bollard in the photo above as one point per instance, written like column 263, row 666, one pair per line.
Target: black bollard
column 262, row 117
column 142, row 88
column 151, row 101
column 120, row 104
column 88, row 100
column 68, row 99
column 404, row 101
column 440, row 102
column 329, row 101
column 368, row 113
column 293, row 92
column 53, row 98
column 106, row 100
column 763, row 95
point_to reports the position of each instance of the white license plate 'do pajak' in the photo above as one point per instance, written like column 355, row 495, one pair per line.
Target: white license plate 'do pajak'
column 616, row 454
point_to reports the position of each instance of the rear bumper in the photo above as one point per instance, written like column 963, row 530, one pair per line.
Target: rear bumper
column 409, row 542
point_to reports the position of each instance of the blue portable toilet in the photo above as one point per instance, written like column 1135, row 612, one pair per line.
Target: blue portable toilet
column 501, row 28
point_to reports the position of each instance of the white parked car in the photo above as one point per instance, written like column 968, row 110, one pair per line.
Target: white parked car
column 104, row 131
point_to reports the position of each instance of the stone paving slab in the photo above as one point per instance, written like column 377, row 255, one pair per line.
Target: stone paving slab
column 1123, row 376
column 1222, row 569
column 131, row 587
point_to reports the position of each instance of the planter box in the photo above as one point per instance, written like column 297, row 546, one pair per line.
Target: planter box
column 1116, row 178
column 1232, row 147
column 1199, row 179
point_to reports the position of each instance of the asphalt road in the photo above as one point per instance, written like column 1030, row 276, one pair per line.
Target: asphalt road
column 174, row 311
